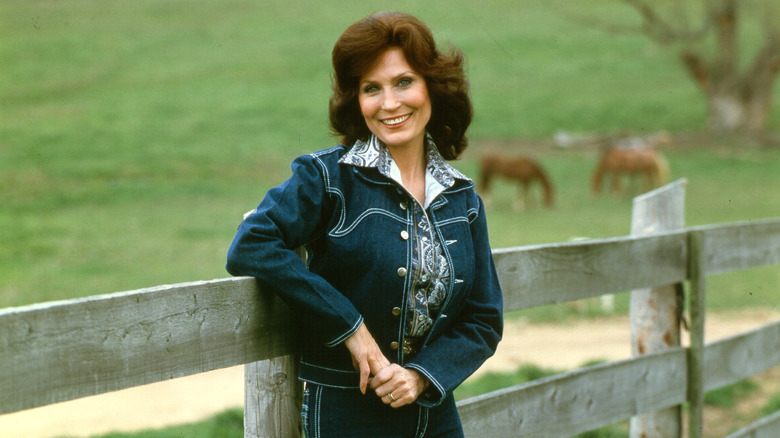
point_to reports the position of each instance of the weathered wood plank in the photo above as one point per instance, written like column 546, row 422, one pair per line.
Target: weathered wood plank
column 59, row 351
column 272, row 399
column 732, row 359
column 767, row 427
column 654, row 313
column 548, row 274
column 697, row 309
column 582, row 400
column 741, row 245
column 273, row 396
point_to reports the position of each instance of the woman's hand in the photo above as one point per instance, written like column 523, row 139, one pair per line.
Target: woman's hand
column 367, row 358
column 398, row 386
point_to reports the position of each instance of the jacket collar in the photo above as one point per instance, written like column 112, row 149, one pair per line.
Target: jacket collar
column 374, row 153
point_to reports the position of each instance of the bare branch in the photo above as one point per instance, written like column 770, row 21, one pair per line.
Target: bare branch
column 662, row 31
column 771, row 16
column 697, row 68
column 738, row 98
column 724, row 17
column 598, row 22
column 654, row 27
column 766, row 63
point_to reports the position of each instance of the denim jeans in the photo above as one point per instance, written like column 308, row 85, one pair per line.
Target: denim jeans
column 334, row 412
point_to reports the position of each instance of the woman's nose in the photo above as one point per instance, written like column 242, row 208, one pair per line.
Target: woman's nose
column 390, row 101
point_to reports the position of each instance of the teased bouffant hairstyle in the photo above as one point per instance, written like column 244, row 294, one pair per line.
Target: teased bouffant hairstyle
column 357, row 51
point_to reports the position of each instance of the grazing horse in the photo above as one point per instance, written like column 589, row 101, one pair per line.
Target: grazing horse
column 643, row 161
column 523, row 170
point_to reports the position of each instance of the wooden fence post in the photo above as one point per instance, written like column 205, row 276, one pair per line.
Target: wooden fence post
column 273, row 395
column 696, row 277
column 655, row 313
column 272, row 399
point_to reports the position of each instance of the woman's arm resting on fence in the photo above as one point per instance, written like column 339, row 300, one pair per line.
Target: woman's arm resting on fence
column 288, row 217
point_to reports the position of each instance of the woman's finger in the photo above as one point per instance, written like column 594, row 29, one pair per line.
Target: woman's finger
column 382, row 379
column 364, row 370
column 366, row 355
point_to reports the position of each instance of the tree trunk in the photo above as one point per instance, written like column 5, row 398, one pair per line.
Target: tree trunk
column 732, row 111
column 738, row 103
column 739, row 100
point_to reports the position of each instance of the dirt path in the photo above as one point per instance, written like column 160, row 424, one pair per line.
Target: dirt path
column 193, row 398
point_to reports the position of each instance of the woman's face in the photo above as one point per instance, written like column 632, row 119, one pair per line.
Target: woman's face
column 394, row 101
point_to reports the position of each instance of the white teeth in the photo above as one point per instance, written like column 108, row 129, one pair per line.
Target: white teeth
column 396, row 120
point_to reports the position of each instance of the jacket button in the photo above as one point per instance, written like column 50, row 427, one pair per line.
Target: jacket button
column 396, row 311
column 401, row 271
column 405, row 235
column 403, row 206
column 394, row 345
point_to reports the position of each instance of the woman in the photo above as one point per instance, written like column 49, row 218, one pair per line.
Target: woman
column 398, row 300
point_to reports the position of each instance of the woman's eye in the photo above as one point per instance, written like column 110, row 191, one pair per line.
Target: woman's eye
column 405, row 82
column 370, row 89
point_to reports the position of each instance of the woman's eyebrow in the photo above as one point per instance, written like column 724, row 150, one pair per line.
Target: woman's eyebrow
column 394, row 78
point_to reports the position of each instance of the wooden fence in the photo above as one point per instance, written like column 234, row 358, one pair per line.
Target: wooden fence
column 58, row 351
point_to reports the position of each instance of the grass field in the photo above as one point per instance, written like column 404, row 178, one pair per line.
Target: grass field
column 133, row 135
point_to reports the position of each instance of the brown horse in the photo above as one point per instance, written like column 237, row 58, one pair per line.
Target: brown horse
column 643, row 161
column 523, row 170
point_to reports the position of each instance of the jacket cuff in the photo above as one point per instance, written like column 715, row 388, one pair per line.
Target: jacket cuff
column 347, row 334
column 434, row 394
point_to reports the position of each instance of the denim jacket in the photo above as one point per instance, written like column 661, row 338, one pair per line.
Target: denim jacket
column 352, row 221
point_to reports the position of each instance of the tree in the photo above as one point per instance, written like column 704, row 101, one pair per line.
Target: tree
column 714, row 44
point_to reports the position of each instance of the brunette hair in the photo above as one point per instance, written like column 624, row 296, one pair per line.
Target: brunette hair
column 357, row 51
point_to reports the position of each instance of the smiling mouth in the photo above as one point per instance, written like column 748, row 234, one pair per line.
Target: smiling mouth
column 396, row 121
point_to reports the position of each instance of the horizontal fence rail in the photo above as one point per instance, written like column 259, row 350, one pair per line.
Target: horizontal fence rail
column 64, row 350
column 582, row 400
column 540, row 275
column 549, row 274
column 732, row 359
column 741, row 245
column 579, row 401
column 767, row 427
column 59, row 351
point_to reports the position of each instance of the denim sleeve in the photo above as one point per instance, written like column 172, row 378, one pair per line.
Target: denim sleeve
column 289, row 216
column 474, row 335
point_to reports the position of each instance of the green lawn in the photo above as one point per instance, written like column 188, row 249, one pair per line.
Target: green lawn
column 133, row 135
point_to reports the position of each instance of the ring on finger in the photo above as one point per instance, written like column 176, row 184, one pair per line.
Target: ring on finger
column 390, row 394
